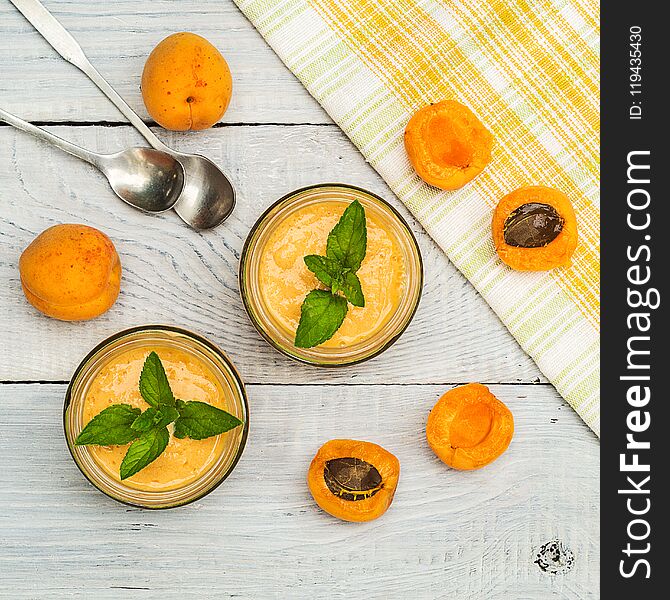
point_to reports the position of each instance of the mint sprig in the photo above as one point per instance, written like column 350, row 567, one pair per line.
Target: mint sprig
column 120, row 424
column 323, row 311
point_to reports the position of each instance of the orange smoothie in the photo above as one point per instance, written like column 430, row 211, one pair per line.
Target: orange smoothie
column 184, row 460
column 285, row 280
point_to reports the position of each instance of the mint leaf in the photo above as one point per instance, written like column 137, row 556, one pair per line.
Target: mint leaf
column 351, row 288
column 323, row 312
column 144, row 450
column 198, row 420
column 327, row 270
column 110, row 427
column 155, row 417
column 154, row 385
column 347, row 241
column 321, row 315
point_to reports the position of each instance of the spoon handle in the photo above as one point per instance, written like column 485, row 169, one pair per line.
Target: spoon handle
column 90, row 157
column 63, row 42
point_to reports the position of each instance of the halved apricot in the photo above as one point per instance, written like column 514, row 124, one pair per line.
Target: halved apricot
column 469, row 427
column 447, row 144
column 353, row 480
column 535, row 229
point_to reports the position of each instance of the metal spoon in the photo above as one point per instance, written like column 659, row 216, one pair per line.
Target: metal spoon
column 208, row 196
column 144, row 178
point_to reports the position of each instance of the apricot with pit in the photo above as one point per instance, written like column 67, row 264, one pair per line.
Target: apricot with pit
column 186, row 83
column 535, row 229
column 71, row 272
column 353, row 480
column 469, row 427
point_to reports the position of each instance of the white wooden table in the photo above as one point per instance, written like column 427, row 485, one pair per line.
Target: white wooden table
column 448, row 534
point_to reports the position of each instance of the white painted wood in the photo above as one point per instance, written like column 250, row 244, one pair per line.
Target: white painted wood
column 37, row 84
column 175, row 275
column 448, row 534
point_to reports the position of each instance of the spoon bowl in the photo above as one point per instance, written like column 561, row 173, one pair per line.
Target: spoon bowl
column 144, row 178
column 208, row 197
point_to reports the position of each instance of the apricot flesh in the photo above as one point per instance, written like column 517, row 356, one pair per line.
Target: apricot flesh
column 447, row 144
column 558, row 252
column 469, row 427
column 364, row 497
column 186, row 83
column 71, row 272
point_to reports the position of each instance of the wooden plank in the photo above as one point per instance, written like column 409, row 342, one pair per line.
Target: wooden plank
column 36, row 84
column 175, row 275
column 465, row 535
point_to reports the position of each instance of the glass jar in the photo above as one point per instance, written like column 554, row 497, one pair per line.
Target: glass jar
column 281, row 337
column 156, row 337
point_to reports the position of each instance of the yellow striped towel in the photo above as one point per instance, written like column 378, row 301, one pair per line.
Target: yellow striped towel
column 529, row 70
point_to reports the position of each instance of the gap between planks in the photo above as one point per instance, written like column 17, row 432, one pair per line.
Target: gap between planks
column 220, row 125
column 327, row 384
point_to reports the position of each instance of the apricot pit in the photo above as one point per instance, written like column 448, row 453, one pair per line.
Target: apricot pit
column 352, row 478
column 532, row 225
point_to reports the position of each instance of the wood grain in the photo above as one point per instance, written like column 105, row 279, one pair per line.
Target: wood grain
column 465, row 535
column 175, row 275
column 37, row 84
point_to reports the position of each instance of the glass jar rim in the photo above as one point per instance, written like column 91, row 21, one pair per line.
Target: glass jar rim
column 108, row 343
column 249, row 246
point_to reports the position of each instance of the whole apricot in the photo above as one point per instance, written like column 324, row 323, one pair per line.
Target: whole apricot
column 71, row 272
column 186, row 83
